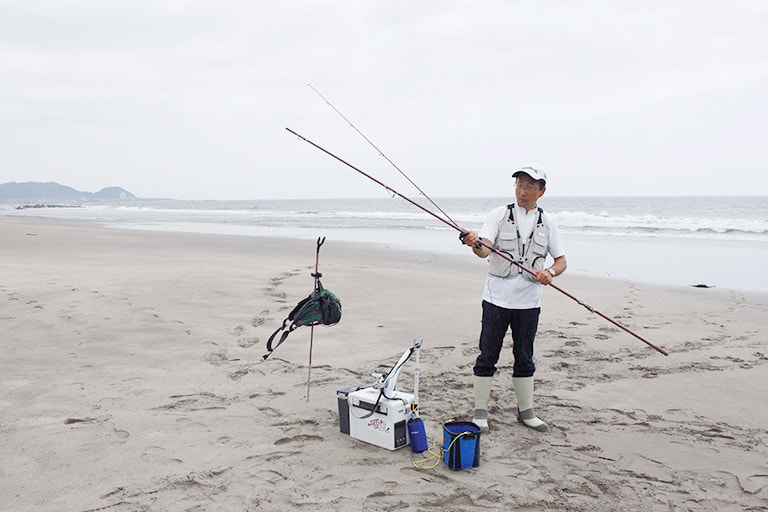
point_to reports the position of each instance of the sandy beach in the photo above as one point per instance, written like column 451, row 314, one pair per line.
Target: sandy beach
column 132, row 380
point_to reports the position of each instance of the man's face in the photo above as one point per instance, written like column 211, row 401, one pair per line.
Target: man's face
column 527, row 191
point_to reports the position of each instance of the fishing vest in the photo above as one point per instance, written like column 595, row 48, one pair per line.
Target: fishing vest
column 530, row 253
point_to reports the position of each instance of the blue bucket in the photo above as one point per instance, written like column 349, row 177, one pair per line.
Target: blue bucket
column 461, row 444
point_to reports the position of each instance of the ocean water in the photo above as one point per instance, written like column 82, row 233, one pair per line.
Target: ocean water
column 716, row 241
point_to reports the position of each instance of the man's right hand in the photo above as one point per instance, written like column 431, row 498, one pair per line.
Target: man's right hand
column 470, row 238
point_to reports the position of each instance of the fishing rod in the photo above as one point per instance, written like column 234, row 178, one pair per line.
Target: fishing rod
column 481, row 244
column 448, row 217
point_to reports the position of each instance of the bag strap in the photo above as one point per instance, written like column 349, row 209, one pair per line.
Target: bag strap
column 373, row 409
column 271, row 349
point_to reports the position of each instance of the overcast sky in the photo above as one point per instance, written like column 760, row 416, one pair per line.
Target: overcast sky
column 190, row 99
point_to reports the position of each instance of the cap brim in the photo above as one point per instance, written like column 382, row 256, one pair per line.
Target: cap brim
column 534, row 178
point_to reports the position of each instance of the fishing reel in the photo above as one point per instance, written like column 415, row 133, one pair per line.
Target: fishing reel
column 463, row 234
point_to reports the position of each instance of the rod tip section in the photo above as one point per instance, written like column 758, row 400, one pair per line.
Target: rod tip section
column 294, row 133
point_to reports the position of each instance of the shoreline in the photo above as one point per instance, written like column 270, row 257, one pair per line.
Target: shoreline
column 134, row 378
column 644, row 259
column 654, row 262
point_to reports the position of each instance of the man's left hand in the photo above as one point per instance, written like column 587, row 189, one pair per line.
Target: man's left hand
column 543, row 277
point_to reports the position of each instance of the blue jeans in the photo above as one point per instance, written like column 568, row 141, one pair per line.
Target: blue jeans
column 496, row 321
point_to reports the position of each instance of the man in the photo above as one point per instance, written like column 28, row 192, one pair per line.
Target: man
column 512, row 295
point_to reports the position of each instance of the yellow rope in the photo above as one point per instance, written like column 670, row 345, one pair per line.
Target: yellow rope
column 419, row 464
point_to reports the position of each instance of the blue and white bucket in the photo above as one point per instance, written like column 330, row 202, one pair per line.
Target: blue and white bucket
column 461, row 444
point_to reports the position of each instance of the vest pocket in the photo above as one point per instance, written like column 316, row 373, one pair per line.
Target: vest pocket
column 536, row 254
column 498, row 266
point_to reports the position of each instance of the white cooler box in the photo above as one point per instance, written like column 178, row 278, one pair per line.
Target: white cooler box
column 387, row 426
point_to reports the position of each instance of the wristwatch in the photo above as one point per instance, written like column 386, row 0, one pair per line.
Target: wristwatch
column 552, row 271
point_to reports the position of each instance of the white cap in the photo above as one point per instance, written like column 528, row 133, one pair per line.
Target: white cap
column 533, row 170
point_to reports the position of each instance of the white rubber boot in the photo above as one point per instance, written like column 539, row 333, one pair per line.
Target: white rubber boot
column 525, row 413
column 482, row 389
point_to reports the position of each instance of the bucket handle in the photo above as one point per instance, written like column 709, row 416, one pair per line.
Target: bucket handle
column 421, row 464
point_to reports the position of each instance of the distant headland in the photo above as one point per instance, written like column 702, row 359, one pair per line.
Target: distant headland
column 35, row 194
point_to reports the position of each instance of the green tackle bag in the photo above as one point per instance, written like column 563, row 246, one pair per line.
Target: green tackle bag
column 321, row 307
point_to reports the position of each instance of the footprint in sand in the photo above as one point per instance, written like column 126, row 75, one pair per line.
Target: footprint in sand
column 298, row 439
column 270, row 411
column 249, row 342
column 277, row 281
column 217, row 357
column 271, row 476
column 152, row 453
column 240, row 331
column 434, row 354
column 240, row 372
column 195, row 402
column 262, row 319
column 273, row 456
